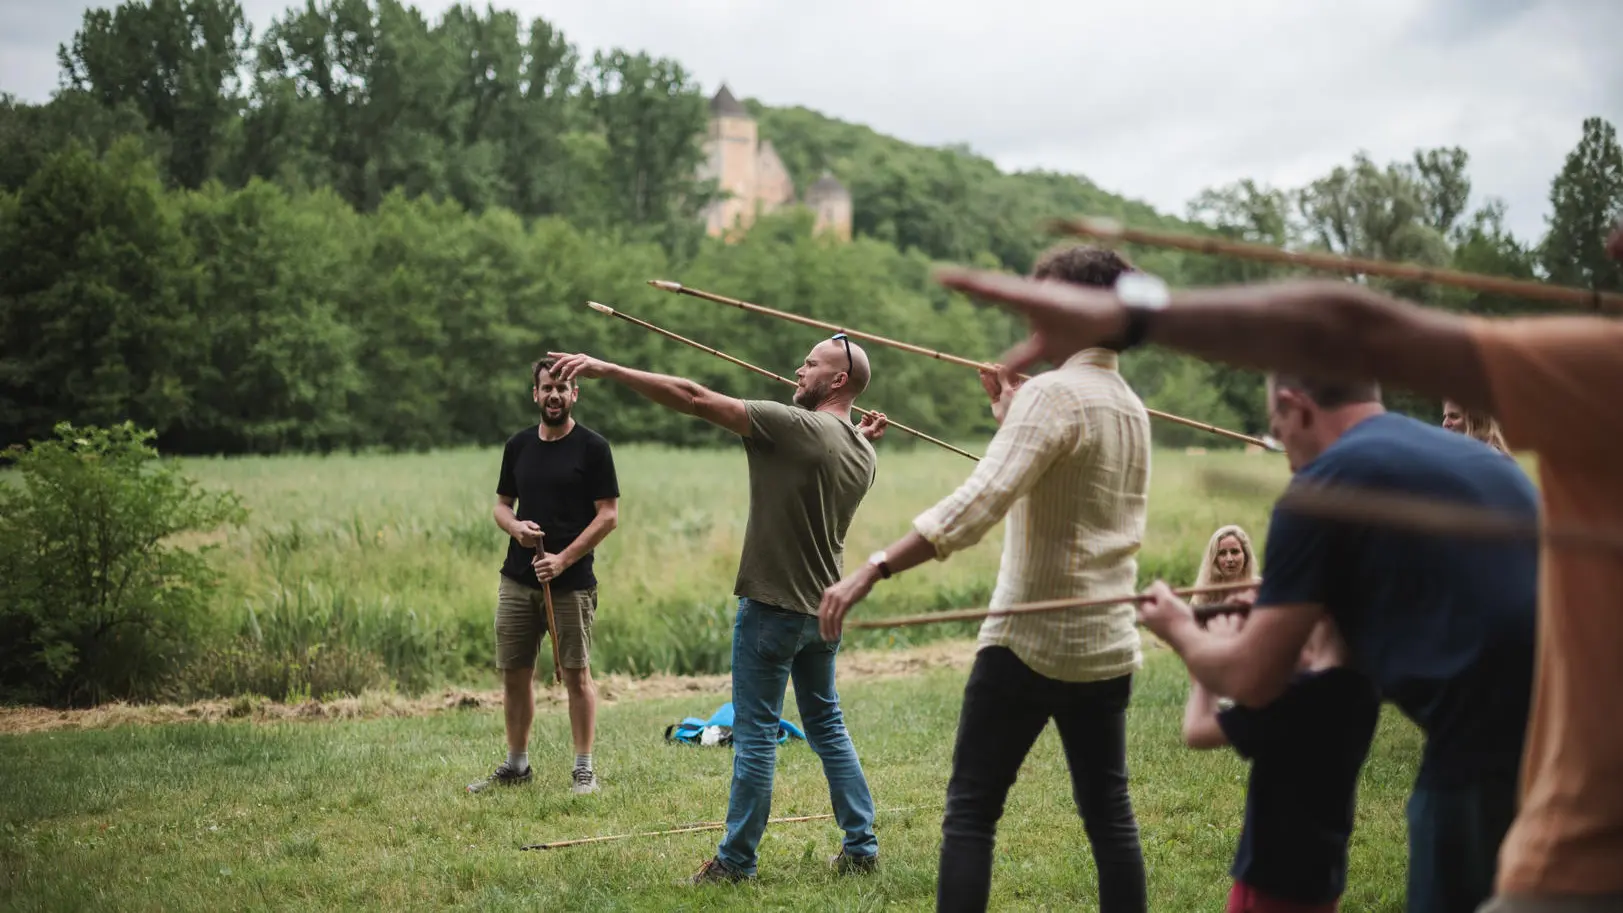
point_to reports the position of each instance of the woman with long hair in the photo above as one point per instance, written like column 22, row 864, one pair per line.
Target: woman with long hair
column 1229, row 559
column 1474, row 424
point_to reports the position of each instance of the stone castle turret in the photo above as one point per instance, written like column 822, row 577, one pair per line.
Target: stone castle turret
column 754, row 178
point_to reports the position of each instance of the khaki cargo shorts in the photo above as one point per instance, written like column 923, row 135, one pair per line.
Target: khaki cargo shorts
column 521, row 621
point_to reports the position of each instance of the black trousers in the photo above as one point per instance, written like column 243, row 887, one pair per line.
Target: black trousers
column 1006, row 706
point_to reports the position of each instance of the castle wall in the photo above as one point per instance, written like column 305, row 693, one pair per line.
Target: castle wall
column 753, row 177
column 834, row 216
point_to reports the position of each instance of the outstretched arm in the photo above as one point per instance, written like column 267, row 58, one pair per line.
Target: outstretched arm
column 676, row 393
column 1323, row 328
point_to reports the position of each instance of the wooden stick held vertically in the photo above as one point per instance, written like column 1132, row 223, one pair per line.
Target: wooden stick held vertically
column 680, row 289
column 603, row 308
column 1111, row 230
column 552, row 630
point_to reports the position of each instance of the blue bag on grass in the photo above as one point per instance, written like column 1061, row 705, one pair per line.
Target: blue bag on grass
column 718, row 730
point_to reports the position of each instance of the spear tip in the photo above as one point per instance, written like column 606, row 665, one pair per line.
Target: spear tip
column 665, row 285
column 600, row 307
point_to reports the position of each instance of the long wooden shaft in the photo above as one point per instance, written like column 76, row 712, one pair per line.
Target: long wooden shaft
column 1111, row 230
column 687, row 829
column 1430, row 516
column 552, row 630
column 765, row 373
column 695, row 828
column 680, row 289
column 1056, row 605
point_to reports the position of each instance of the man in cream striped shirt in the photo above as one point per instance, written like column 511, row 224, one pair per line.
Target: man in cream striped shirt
column 1069, row 469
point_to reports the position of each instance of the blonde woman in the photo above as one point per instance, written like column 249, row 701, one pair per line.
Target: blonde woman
column 1229, row 559
column 1474, row 424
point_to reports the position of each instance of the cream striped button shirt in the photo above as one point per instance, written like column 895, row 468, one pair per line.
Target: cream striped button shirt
column 1070, row 467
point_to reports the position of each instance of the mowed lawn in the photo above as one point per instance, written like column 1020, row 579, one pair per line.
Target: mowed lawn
column 373, row 814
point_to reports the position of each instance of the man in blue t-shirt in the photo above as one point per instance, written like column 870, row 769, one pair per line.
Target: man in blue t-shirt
column 1443, row 626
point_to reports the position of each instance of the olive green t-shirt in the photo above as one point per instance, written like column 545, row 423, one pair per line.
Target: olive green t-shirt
column 808, row 473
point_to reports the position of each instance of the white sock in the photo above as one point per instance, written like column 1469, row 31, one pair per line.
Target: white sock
column 583, row 760
column 518, row 760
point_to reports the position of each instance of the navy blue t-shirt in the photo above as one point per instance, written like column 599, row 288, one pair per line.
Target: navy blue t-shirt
column 1305, row 748
column 1443, row 625
column 557, row 484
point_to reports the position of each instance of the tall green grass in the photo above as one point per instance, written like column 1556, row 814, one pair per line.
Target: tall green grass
column 389, row 562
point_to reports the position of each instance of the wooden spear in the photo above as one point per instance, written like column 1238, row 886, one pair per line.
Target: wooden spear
column 680, row 289
column 1428, row 516
column 696, row 828
column 687, row 829
column 1056, row 605
column 763, row 372
column 1111, row 230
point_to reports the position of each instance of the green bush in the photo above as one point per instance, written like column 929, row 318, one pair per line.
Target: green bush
column 100, row 602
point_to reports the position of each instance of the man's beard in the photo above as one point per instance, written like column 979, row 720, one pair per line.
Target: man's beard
column 812, row 396
column 561, row 417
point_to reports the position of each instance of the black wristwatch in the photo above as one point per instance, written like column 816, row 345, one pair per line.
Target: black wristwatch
column 877, row 559
column 1141, row 295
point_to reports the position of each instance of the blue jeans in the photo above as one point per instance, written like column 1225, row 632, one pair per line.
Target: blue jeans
column 769, row 646
column 1454, row 837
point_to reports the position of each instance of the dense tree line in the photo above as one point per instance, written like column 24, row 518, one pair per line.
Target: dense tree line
column 360, row 227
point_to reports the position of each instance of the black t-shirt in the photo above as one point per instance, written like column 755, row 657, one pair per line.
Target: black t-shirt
column 1306, row 749
column 557, row 484
column 1444, row 625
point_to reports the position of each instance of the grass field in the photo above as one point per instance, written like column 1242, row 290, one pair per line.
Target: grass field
column 396, row 557
column 250, row 816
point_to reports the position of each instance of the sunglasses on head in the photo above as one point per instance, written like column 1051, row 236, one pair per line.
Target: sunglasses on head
column 849, row 365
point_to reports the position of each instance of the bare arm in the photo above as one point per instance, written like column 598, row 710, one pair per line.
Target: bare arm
column 1200, row 727
column 527, row 533
column 607, row 518
column 1252, row 667
column 1328, row 328
column 676, row 393
column 1320, row 328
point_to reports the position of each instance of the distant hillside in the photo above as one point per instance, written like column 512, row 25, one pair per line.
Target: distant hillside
column 948, row 202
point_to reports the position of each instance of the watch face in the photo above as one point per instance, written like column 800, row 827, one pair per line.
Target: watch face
column 1141, row 290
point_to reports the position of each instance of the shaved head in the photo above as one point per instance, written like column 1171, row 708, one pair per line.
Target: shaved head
column 827, row 362
column 861, row 371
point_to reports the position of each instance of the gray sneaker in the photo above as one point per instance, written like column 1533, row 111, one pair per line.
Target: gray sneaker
column 585, row 781
column 503, row 776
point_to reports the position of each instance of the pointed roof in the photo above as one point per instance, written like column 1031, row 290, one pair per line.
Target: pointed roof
column 723, row 104
column 827, row 185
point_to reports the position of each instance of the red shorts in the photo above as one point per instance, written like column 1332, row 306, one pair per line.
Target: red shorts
column 1243, row 898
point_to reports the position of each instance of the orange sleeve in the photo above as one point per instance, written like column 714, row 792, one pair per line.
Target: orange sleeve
column 1556, row 382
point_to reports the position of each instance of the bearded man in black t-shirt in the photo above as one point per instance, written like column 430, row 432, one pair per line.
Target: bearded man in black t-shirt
column 561, row 474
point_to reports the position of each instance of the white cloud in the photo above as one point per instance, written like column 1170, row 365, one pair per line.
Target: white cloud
column 1154, row 100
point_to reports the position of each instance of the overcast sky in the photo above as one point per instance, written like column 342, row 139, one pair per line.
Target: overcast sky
column 1155, row 100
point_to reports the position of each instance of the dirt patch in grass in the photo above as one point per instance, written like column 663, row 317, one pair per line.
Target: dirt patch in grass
column 858, row 665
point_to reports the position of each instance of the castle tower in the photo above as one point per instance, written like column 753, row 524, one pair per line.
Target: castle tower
column 831, row 203
column 753, row 179
column 731, row 154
